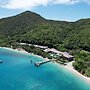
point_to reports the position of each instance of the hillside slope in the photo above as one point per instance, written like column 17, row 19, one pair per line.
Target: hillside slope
column 31, row 27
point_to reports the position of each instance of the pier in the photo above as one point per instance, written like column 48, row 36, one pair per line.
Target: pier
column 37, row 64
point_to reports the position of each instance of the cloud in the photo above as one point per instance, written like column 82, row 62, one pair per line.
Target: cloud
column 87, row 1
column 24, row 4
column 65, row 1
column 29, row 4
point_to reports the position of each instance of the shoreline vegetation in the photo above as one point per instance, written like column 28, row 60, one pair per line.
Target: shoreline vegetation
column 69, row 65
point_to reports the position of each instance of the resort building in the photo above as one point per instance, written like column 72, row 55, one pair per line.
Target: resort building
column 65, row 55
column 53, row 50
column 68, row 56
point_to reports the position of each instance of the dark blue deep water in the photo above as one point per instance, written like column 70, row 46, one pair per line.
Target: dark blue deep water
column 17, row 73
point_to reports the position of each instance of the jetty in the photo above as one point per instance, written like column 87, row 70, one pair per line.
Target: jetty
column 37, row 64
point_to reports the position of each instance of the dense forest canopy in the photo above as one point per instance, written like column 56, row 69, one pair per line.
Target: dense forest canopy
column 32, row 28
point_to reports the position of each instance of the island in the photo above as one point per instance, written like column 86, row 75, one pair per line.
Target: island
column 61, row 40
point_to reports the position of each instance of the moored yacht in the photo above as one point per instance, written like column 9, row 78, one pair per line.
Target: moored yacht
column 0, row 61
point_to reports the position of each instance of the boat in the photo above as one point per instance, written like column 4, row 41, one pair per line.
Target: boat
column 0, row 61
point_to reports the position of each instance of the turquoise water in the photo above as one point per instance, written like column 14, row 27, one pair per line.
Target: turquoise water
column 17, row 73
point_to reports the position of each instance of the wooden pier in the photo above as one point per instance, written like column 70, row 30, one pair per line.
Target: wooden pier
column 37, row 64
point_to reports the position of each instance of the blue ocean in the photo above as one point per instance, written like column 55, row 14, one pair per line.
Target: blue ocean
column 18, row 73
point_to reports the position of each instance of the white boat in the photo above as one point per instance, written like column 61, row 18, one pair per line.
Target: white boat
column 0, row 61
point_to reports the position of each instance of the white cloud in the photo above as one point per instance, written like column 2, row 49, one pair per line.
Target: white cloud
column 29, row 4
column 65, row 1
column 87, row 1
column 24, row 4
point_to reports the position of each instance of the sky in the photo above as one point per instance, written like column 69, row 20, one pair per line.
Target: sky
column 64, row 10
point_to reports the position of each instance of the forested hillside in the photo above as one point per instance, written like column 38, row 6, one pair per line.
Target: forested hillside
column 30, row 27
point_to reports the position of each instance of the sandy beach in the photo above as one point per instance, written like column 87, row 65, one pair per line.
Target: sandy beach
column 17, row 49
column 68, row 66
